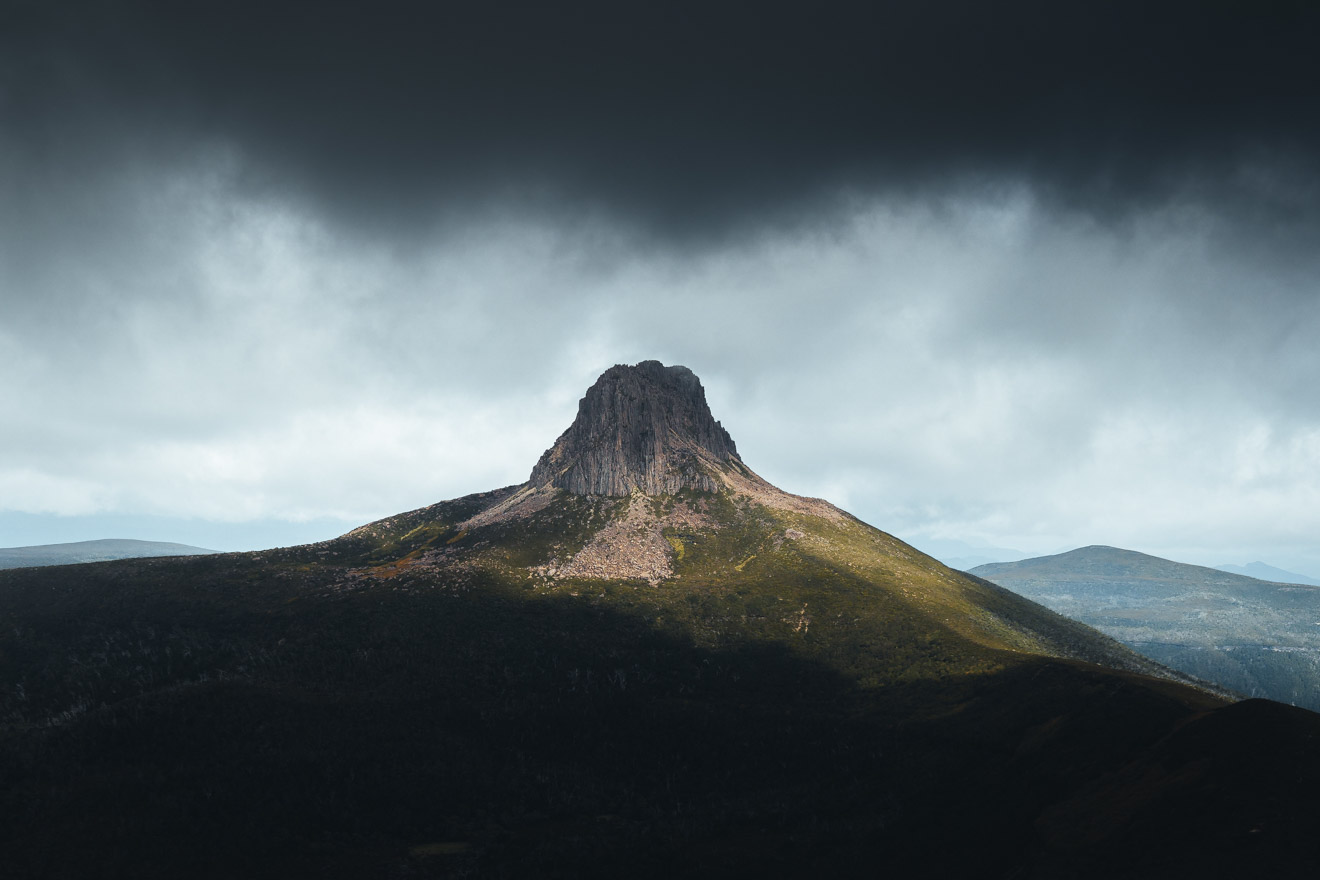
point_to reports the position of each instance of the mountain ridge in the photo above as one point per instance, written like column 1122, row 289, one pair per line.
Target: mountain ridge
column 536, row 682
column 99, row 550
column 1254, row 637
column 648, row 427
column 1105, row 561
column 1265, row 572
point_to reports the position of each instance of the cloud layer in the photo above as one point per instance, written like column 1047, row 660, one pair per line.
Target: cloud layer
column 694, row 119
column 981, row 272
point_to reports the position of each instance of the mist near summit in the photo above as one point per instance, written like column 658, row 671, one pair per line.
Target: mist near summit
column 1039, row 278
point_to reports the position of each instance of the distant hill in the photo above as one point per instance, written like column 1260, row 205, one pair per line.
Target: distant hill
column 92, row 551
column 1259, row 638
column 1265, row 572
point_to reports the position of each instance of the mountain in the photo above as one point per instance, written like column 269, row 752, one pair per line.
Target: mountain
column 1263, row 572
column 92, row 551
column 644, row 661
column 1254, row 637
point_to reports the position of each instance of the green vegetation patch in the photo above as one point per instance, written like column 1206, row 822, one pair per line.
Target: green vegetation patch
column 677, row 543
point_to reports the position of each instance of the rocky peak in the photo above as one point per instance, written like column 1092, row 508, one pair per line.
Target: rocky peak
column 645, row 427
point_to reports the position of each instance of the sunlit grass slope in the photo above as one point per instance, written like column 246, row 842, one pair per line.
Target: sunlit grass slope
column 830, row 588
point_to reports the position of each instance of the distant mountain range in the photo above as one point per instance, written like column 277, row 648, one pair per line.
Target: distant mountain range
column 1258, row 638
column 1261, row 571
column 92, row 551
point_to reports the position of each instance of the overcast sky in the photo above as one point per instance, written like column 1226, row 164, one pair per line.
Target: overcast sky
column 1029, row 275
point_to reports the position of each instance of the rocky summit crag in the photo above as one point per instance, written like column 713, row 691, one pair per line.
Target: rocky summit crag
column 640, row 428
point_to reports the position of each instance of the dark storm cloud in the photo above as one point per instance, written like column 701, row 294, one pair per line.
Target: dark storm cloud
column 687, row 117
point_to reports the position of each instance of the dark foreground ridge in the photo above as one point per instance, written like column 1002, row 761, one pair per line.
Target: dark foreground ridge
column 645, row 428
column 658, row 666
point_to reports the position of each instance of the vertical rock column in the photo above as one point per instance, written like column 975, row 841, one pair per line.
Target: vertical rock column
column 645, row 427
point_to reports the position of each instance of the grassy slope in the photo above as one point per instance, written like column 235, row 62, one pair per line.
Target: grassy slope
column 833, row 702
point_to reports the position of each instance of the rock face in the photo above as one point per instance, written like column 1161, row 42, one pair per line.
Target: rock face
column 646, row 428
